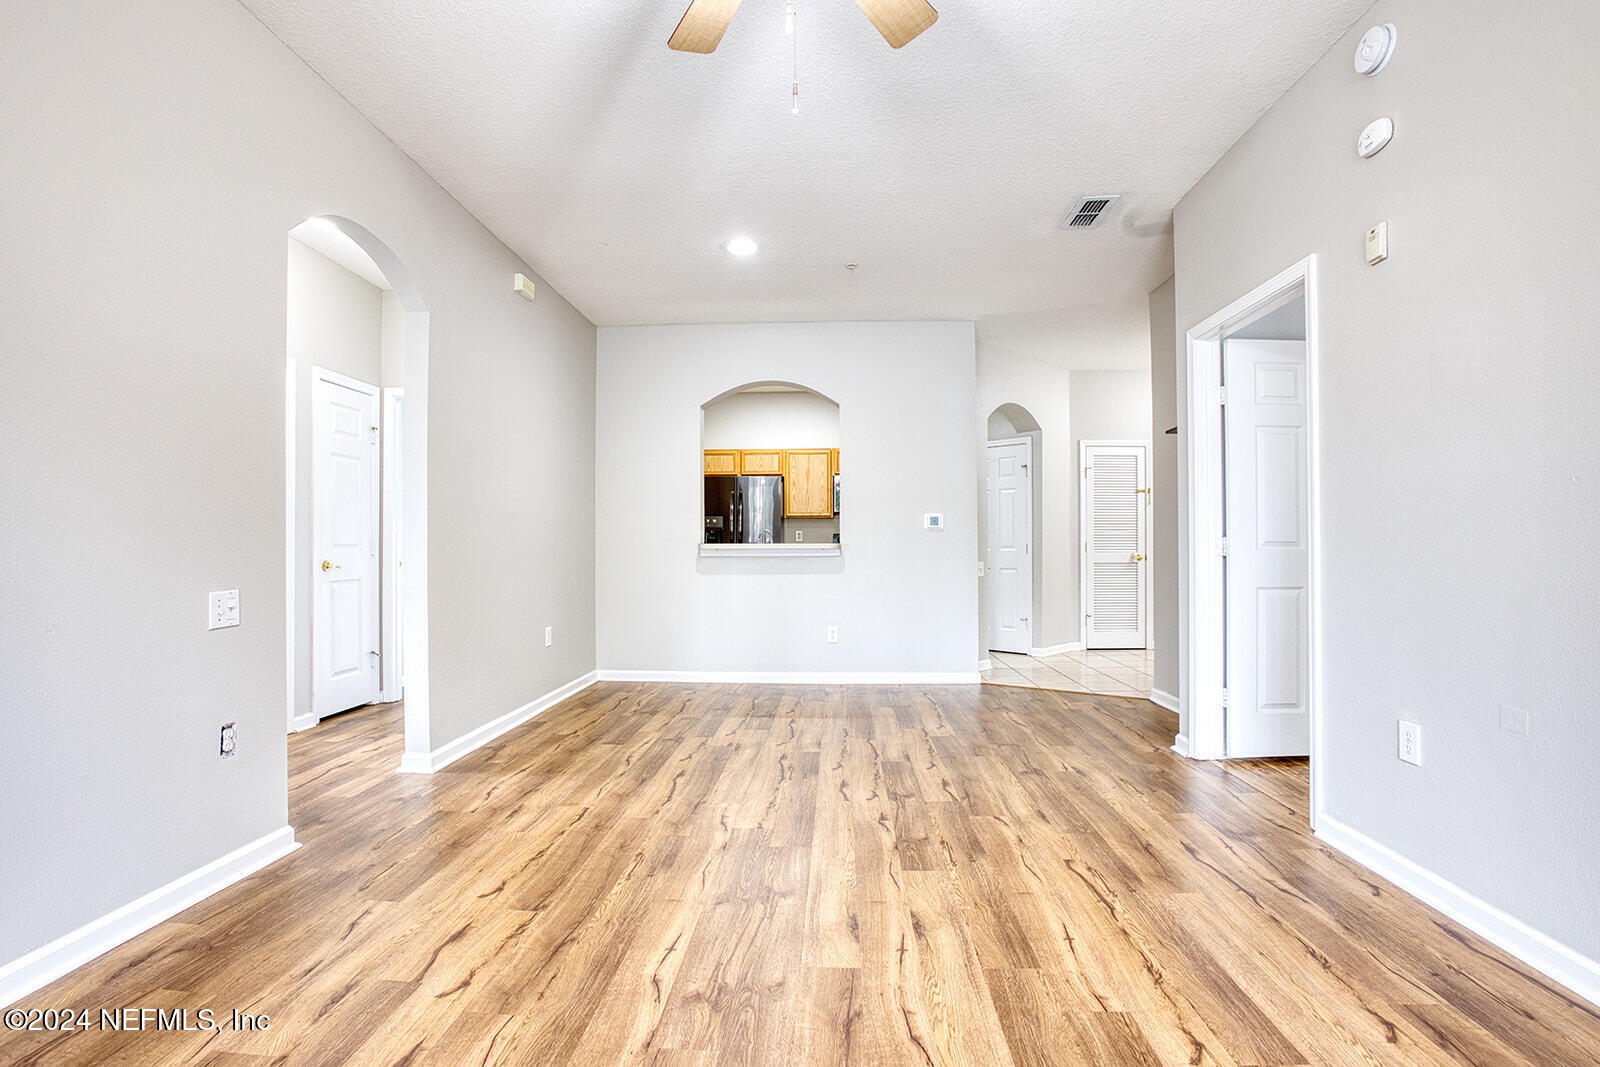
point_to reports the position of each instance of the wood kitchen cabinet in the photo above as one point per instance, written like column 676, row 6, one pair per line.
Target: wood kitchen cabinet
column 722, row 461
column 808, row 483
column 764, row 461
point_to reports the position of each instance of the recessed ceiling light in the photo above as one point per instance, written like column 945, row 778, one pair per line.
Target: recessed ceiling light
column 741, row 246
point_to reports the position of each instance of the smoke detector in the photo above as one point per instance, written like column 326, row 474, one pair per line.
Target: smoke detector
column 1088, row 211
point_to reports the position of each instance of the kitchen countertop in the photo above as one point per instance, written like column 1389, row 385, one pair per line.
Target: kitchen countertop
column 786, row 549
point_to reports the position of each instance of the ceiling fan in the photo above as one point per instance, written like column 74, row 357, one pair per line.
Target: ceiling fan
column 703, row 25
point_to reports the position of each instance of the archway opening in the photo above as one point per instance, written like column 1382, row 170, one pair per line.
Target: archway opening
column 770, row 456
column 355, row 446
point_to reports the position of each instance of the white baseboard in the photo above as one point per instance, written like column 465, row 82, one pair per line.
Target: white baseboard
column 446, row 754
column 1165, row 699
column 985, row 665
column 1180, row 745
column 1539, row 951
column 303, row 722
column 798, row 677
column 1056, row 650
column 47, row 963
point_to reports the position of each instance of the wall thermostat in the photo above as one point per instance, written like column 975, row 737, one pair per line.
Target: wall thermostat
column 1374, row 137
column 1375, row 48
column 932, row 520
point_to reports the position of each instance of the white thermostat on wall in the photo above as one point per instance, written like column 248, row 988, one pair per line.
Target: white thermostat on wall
column 932, row 520
column 1375, row 48
column 1374, row 137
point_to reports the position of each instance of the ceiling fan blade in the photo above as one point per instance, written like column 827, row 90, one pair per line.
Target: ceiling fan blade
column 702, row 26
column 899, row 20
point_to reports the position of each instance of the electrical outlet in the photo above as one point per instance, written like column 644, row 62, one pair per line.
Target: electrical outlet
column 228, row 742
column 980, row 568
column 1513, row 720
column 549, row 636
column 833, row 635
column 799, row 535
column 1410, row 750
column 222, row 609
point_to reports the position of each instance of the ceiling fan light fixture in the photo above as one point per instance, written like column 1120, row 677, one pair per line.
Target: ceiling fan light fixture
column 741, row 246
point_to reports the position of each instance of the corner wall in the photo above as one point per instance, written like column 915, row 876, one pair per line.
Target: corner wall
column 1458, row 435
column 1164, row 486
column 167, row 148
column 905, row 598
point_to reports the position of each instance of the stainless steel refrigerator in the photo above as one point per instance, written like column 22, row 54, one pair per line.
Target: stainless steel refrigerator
column 744, row 510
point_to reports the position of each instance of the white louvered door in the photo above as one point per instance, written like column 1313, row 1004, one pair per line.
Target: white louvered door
column 1115, row 545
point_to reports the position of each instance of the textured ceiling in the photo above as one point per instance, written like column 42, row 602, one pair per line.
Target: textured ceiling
column 618, row 168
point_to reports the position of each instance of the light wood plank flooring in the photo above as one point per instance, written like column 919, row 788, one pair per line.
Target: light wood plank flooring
column 679, row 874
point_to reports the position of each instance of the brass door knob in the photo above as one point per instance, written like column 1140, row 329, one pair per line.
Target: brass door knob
column 1138, row 559
column 334, row 566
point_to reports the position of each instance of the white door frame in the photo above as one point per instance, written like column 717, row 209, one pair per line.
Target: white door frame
column 321, row 374
column 1083, row 534
column 390, row 685
column 1027, row 442
column 1201, row 698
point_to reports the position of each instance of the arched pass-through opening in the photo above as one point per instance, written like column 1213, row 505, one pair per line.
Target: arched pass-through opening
column 357, row 350
column 771, row 471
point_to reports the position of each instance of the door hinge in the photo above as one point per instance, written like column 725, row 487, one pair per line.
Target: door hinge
column 1222, row 546
column 1224, row 698
column 1222, row 395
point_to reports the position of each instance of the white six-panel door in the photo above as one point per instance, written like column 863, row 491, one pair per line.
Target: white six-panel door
column 1116, row 539
column 1267, row 567
column 1010, row 562
column 344, row 538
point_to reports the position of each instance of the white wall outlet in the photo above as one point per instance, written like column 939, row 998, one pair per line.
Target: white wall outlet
column 1513, row 720
column 228, row 742
column 980, row 568
column 1410, row 748
column 799, row 535
column 932, row 520
column 222, row 609
column 833, row 634
column 549, row 636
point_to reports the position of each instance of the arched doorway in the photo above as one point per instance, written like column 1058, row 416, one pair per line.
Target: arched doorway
column 355, row 479
column 1012, row 546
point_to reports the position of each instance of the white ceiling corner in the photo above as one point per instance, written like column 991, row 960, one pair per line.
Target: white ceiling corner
column 618, row 168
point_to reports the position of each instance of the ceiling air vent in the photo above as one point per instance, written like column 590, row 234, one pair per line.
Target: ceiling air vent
column 1088, row 212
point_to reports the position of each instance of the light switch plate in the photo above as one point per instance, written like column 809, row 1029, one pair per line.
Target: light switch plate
column 1513, row 720
column 222, row 609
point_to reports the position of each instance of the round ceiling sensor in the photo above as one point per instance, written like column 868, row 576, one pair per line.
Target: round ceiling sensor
column 1376, row 46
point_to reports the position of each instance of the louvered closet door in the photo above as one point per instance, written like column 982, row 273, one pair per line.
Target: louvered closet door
column 1116, row 546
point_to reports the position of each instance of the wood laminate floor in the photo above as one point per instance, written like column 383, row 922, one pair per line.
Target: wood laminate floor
column 680, row 874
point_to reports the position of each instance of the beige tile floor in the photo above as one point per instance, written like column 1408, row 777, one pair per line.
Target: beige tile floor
column 1123, row 673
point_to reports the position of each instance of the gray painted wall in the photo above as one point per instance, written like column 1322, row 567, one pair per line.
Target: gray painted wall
column 905, row 598
column 166, row 148
column 1458, row 435
column 1164, row 483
